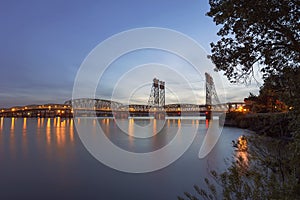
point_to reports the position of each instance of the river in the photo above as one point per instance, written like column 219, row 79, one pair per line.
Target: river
column 44, row 158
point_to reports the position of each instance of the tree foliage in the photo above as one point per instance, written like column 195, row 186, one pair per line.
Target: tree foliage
column 279, row 93
column 285, row 85
column 264, row 32
column 267, row 171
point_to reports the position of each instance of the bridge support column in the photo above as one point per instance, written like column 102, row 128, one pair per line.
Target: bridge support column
column 208, row 113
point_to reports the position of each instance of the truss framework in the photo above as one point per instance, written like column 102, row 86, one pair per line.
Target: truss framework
column 157, row 94
column 211, row 93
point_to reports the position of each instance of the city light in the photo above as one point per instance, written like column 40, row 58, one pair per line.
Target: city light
column 241, row 109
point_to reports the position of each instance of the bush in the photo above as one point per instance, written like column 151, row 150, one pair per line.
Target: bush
column 268, row 170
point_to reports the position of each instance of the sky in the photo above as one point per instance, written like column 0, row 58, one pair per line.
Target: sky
column 44, row 43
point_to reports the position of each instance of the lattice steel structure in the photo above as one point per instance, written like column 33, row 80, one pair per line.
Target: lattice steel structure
column 157, row 94
column 211, row 93
column 162, row 100
column 92, row 104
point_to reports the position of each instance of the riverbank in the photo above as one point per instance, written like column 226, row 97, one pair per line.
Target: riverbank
column 270, row 124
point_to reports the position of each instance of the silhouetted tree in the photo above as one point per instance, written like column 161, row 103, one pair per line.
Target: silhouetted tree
column 265, row 171
column 265, row 32
column 285, row 86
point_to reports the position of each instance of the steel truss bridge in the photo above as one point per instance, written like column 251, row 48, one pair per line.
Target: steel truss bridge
column 156, row 106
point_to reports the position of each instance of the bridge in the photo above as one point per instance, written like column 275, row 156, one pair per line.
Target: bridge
column 156, row 106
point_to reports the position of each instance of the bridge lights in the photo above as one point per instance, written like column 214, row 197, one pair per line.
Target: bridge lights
column 239, row 109
column 208, row 115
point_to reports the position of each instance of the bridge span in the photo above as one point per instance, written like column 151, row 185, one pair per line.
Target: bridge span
column 156, row 106
column 103, row 108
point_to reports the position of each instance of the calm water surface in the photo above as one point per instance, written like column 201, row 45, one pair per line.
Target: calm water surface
column 45, row 159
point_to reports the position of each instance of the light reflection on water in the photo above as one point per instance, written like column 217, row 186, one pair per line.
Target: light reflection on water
column 12, row 141
column 48, row 131
column 24, row 124
column 24, row 138
column 46, row 157
column 244, row 155
column 241, row 151
column 71, row 129
column 12, row 127
column 1, row 123
column 131, row 131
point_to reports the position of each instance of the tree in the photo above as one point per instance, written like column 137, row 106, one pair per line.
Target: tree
column 279, row 93
column 264, row 32
column 265, row 171
column 286, row 86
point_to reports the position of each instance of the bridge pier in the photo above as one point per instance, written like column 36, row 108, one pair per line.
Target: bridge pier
column 208, row 113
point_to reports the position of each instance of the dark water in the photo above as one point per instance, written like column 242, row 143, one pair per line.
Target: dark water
column 45, row 159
